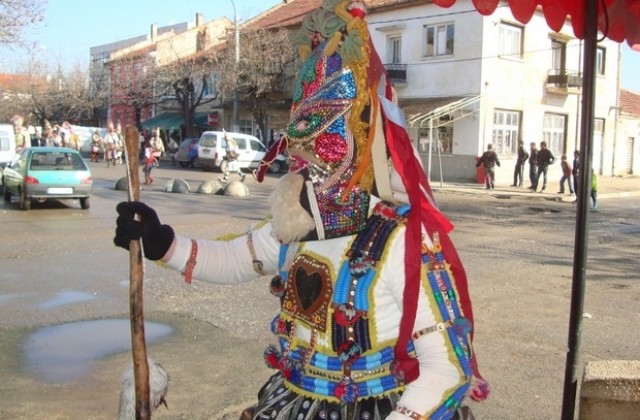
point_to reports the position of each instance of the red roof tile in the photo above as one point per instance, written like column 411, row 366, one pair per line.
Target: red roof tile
column 283, row 15
column 629, row 103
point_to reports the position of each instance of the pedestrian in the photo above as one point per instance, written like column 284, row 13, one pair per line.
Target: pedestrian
column 545, row 158
column 375, row 318
column 575, row 170
column 518, row 171
column 149, row 161
column 110, row 142
column 21, row 133
column 489, row 159
column 231, row 158
column 533, row 165
column 594, row 191
column 96, row 143
column 566, row 175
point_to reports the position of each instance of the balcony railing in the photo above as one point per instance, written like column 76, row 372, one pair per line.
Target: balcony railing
column 397, row 73
column 564, row 82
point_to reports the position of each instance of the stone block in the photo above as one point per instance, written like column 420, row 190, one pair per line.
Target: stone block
column 610, row 389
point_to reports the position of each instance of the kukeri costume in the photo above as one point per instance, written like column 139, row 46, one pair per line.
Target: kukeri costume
column 375, row 317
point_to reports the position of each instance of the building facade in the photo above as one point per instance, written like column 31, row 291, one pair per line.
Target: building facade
column 467, row 80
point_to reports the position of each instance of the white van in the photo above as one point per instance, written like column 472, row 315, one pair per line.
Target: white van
column 212, row 145
column 7, row 144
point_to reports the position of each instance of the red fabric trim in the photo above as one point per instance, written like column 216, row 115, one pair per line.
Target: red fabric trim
column 191, row 262
column 422, row 213
column 275, row 149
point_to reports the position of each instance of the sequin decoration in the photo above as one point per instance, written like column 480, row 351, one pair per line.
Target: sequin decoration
column 331, row 147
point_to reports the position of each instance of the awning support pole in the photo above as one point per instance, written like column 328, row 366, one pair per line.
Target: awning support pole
column 582, row 210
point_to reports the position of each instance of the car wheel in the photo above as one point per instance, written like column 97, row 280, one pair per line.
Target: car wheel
column 25, row 202
column 275, row 167
column 85, row 203
column 183, row 164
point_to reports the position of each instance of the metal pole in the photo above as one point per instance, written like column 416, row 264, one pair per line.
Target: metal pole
column 236, row 96
column 582, row 210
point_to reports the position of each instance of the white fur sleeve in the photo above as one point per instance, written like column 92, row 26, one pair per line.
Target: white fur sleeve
column 228, row 262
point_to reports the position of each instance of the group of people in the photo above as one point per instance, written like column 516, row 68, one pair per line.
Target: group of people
column 57, row 135
column 539, row 161
column 111, row 146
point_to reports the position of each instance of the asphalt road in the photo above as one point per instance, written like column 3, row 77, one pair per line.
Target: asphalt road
column 518, row 253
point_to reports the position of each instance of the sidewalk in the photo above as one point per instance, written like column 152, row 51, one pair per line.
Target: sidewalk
column 608, row 187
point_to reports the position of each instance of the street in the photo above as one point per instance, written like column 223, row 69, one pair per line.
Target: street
column 518, row 254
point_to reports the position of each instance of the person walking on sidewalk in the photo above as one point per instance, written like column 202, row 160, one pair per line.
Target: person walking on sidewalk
column 566, row 175
column 518, row 172
column 575, row 170
column 594, row 191
column 489, row 159
column 533, row 165
column 545, row 158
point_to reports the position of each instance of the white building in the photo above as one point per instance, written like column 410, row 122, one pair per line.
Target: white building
column 467, row 80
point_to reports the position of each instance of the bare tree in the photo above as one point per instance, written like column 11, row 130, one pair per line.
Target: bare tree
column 192, row 82
column 60, row 96
column 16, row 16
column 264, row 72
column 134, row 84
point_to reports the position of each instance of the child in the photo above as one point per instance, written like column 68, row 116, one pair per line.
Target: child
column 566, row 175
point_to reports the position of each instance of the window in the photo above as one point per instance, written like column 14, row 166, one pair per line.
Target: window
column 394, row 49
column 256, row 146
column 438, row 40
column 442, row 139
column 510, row 41
column 554, row 130
column 558, row 56
column 245, row 127
column 506, row 132
column 600, row 60
column 211, row 85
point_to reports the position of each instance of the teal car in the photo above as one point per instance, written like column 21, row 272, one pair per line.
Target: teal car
column 41, row 173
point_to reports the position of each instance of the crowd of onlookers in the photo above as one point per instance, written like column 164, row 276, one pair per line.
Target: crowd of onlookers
column 105, row 145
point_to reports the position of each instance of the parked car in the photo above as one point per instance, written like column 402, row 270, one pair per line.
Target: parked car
column 212, row 145
column 42, row 173
column 187, row 153
column 7, row 144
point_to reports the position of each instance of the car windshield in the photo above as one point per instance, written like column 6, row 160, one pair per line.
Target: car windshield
column 59, row 161
column 208, row 140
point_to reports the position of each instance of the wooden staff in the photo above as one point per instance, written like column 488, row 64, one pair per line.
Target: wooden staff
column 136, row 274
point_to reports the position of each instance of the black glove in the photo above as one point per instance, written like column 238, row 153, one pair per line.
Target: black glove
column 156, row 238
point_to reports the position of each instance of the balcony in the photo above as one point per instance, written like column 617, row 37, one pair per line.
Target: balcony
column 397, row 73
column 564, row 82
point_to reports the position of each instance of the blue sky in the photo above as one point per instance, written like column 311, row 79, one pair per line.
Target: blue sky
column 73, row 26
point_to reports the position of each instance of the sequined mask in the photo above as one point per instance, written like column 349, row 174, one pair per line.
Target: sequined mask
column 321, row 145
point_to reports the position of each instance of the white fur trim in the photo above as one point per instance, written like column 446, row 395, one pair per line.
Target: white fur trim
column 290, row 221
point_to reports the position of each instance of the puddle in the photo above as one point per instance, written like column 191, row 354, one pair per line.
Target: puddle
column 65, row 297
column 65, row 353
column 7, row 298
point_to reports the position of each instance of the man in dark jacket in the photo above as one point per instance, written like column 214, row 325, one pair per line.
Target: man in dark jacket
column 518, row 172
column 545, row 158
column 489, row 159
column 533, row 165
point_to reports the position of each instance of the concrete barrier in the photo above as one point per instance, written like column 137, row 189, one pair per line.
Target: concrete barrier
column 610, row 390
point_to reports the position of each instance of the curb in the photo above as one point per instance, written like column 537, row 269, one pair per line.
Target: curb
column 498, row 193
